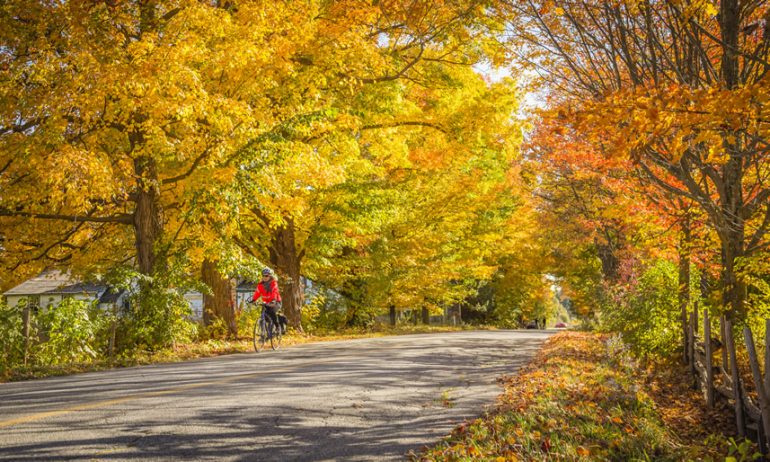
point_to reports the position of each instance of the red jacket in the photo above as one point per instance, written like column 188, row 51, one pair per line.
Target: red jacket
column 269, row 293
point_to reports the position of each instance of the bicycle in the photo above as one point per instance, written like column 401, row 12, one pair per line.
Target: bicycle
column 265, row 330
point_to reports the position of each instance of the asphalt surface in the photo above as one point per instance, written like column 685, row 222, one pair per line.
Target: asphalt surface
column 360, row 400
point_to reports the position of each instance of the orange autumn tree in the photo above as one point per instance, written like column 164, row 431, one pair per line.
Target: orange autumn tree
column 679, row 87
column 622, row 248
column 594, row 213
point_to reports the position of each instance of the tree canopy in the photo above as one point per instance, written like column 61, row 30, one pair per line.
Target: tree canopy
column 367, row 147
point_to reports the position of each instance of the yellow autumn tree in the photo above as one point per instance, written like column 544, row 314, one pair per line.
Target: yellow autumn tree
column 113, row 113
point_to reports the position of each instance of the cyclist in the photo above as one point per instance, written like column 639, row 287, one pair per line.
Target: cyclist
column 267, row 290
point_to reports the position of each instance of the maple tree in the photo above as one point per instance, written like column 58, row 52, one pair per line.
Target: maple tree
column 445, row 196
column 680, row 88
column 129, row 114
column 125, row 125
column 293, row 204
column 110, row 113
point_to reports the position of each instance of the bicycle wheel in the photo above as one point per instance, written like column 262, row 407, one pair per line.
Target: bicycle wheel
column 275, row 339
column 260, row 335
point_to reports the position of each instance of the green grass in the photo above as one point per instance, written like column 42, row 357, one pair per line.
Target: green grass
column 582, row 399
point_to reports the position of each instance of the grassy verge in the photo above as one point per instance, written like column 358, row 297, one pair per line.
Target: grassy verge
column 584, row 398
column 184, row 352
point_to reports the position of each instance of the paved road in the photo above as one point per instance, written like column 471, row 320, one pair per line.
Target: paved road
column 372, row 399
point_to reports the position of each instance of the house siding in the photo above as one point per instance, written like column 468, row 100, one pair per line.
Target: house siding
column 48, row 299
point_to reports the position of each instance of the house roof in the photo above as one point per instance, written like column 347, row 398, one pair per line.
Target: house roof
column 54, row 282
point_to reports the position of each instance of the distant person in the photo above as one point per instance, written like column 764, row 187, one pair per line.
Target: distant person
column 267, row 290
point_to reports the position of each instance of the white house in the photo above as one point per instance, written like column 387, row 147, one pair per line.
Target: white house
column 51, row 287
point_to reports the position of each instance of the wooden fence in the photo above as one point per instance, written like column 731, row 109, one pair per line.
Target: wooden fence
column 752, row 416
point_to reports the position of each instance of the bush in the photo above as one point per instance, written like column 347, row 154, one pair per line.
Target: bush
column 327, row 311
column 216, row 330
column 11, row 337
column 158, row 318
column 647, row 314
column 755, row 272
column 70, row 330
column 247, row 318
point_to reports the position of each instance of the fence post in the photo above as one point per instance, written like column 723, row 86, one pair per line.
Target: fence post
column 740, row 420
column 691, row 348
column 695, row 321
column 758, row 383
column 709, row 364
column 26, row 328
column 686, row 332
column 113, row 330
column 767, row 357
column 725, row 363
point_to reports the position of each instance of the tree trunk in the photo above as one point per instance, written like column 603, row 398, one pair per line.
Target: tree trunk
column 610, row 262
column 730, row 24
column 733, row 289
column 392, row 312
column 285, row 257
column 684, row 281
column 147, row 215
column 733, row 232
column 220, row 304
column 732, row 237
column 425, row 316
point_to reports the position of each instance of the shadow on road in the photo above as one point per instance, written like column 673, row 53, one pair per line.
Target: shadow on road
column 372, row 400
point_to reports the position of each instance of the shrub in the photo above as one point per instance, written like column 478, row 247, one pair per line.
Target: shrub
column 70, row 330
column 647, row 315
column 247, row 318
column 217, row 329
column 327, row 311
column 11, row 337
column 159, row 317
